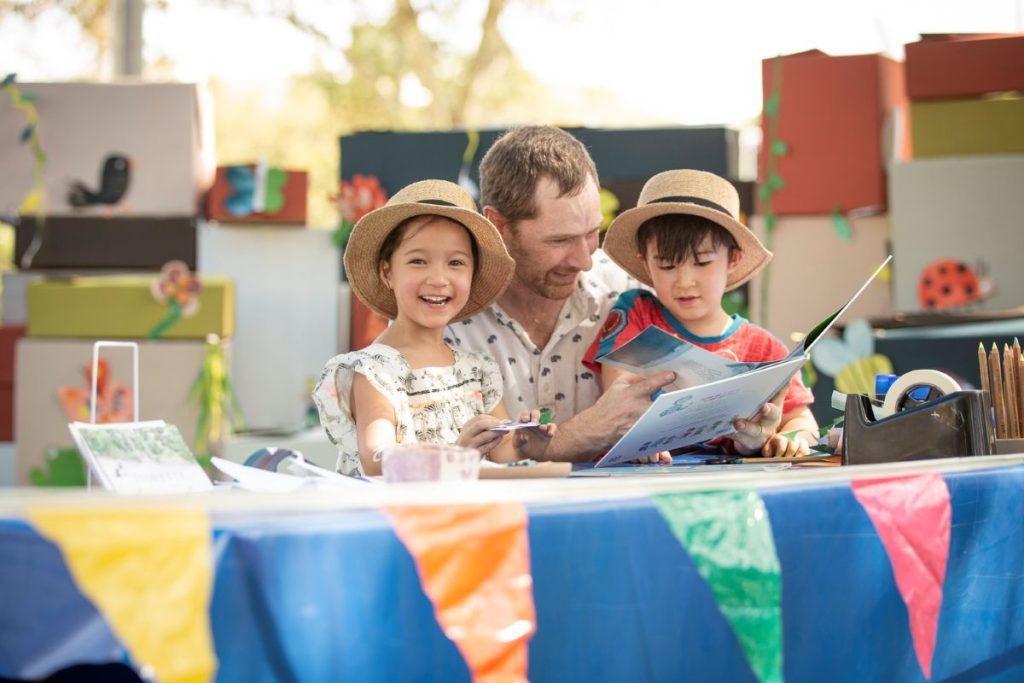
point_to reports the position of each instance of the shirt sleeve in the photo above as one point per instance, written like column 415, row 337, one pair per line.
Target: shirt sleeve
column 625, row 320
column 798, row 395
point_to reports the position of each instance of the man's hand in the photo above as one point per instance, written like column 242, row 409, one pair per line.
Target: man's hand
column 597, row 428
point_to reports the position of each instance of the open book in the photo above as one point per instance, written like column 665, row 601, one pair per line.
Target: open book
column 709, row 390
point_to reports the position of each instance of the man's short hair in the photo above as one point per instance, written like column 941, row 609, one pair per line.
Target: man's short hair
column 514, row 164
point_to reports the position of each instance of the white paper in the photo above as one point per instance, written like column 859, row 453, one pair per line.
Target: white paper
column 512, row 426
column 140, row 457
column 257, row 480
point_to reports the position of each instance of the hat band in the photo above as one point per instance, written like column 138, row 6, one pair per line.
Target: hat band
column 439, row 202
column 700, row 201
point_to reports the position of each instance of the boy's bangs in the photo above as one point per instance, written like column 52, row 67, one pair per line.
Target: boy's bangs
column 677, row 237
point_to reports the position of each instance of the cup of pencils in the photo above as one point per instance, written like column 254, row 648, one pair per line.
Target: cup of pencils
column 1002, row 376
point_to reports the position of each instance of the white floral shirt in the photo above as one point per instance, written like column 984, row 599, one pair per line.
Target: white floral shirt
column 553, row 377
column 431, row 404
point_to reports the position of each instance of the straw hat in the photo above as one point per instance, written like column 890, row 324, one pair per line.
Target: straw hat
column 494, row 266
column 696, row 193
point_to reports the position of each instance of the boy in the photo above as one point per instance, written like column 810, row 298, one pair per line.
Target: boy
column 684, row 239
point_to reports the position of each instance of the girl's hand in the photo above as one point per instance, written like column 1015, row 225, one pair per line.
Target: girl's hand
column 755, row 435
column 533, row 441
column 663, row 457
column 477, row 434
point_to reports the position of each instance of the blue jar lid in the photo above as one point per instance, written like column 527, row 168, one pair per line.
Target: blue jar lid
column 882, row 384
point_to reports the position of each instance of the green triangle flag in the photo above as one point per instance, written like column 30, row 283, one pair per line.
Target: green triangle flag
column 729, row 536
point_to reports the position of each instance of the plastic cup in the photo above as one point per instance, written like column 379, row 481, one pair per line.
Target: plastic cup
column 429, row 462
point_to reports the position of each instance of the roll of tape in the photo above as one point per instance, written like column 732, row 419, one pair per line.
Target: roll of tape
column 937, row 382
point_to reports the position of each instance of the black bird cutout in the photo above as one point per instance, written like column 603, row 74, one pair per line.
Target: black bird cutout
column 114, row 181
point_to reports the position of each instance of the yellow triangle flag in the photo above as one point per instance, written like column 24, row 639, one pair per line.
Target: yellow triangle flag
column 149, row 572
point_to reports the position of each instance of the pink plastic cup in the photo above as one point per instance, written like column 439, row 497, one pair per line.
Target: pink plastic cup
column 429, row 462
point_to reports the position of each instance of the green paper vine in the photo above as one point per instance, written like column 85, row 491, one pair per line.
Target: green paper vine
column 33, row 203
column 773, row 182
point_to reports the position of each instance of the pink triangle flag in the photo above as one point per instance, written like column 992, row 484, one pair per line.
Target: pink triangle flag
column 912, row 516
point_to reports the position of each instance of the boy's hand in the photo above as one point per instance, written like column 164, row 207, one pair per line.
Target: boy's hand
column 662, row 457
column 532, row 442
column 781, row 446
column 756, row 434
column 477, row 434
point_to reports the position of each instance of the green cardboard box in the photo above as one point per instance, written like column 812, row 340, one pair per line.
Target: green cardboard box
column 123, row 307
column 967, row 127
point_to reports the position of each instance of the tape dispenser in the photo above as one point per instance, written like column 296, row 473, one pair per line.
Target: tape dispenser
column 925, row 415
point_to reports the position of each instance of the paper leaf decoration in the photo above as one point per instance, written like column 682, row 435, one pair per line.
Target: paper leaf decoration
column 149, row 572
column 841, row 224
column 64, row 467
column 912, row 516
column 474, row 564
column 729, row 536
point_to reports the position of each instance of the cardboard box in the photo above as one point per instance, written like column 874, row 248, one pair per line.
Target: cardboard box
column 966, row 127
column 627, row 154
column 286, row 314
column 164, row 129
column 9, row 335
column 123, row 307
column 841, row 118
column 231, row 200
column 89, row 243
column 962, row 65
column 963, row 208
column 814, row 271
column 167, row 370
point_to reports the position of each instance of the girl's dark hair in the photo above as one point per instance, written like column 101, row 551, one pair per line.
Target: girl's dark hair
column 414, row 224
column 678, row 236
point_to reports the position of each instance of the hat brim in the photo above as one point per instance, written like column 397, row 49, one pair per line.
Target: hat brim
column 493, row 272
column 620, row 240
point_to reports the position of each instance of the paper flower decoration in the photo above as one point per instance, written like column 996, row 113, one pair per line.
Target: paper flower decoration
column 178, row 289
column 353, row 200
column 113, row 399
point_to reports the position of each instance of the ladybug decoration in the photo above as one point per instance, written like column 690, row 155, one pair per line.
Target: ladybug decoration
column 949, row 283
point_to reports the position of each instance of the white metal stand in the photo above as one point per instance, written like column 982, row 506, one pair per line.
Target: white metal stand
column 95, row 373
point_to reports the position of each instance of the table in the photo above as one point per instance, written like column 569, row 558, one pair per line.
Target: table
column 314, row 588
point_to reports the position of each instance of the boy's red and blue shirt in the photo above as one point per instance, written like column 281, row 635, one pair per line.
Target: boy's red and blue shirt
column 742, row 341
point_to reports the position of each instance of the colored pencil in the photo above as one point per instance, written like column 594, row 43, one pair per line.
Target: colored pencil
column 1010, row 393
column 996, row 380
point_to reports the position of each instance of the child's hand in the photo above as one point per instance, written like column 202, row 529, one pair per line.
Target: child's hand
column 781, row 446
column 663, row 457
column 756, row 434
column 533, row 441
column 477, row 434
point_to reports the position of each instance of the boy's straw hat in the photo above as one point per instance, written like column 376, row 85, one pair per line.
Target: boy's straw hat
column 494, row 266
column 696, row 193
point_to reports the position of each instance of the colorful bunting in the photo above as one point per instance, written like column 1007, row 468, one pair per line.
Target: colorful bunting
column 912, row 516
column 474, row 564
column 150, row 573
column 729, row 536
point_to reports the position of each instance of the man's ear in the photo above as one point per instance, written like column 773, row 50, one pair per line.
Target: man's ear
column 496, row 217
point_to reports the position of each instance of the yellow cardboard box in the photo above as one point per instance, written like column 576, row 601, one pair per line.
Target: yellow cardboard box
column 967, row 127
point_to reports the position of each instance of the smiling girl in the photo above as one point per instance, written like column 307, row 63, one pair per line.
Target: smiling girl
column 425, row 259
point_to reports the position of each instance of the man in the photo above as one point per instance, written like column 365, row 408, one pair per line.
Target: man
column 539, row 187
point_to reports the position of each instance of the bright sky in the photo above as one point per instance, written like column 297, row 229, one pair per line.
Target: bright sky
column 677, row 62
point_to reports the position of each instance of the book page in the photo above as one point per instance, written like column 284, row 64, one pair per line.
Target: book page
column 701, row 413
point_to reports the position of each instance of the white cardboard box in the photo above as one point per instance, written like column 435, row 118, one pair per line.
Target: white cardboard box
column 167, row 370
column 286, row 313
column 965, row 208
column 166, row 129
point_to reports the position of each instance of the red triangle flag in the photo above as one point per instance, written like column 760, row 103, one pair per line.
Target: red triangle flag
column 912, row 516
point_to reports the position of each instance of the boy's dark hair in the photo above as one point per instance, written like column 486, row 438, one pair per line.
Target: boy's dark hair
column 678, row 236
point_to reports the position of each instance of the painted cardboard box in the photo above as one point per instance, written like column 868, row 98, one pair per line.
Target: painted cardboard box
column 138, row 149
column 256, row 193
column 9, row 336
column 814, row 271
column 964, row 211
column 968, row 127
column 842, row 119
column 964, row 65
column 47, row 368
column 286, row 314
column 124, row 307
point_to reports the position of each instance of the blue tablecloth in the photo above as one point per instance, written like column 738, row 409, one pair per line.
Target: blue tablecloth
column 325, row 596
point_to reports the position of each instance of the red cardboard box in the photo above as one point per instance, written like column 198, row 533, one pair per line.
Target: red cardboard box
column 233, row 197
column 9, row 335
column 959, row 65
column 840, row 118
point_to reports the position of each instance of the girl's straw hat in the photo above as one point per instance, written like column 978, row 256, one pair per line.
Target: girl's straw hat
column 696, row 193
column 494, row 266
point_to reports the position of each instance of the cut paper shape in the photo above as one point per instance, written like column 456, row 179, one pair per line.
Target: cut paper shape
column 474, row 564
column 912, row 516
column 177, row 288
column 254, row 190
column 852, row 360
column 113, row 399
column 609, row 207
column 729, row 536
column 215, row 393
column 950, row 283
column 149, row 572
column 63, row 467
